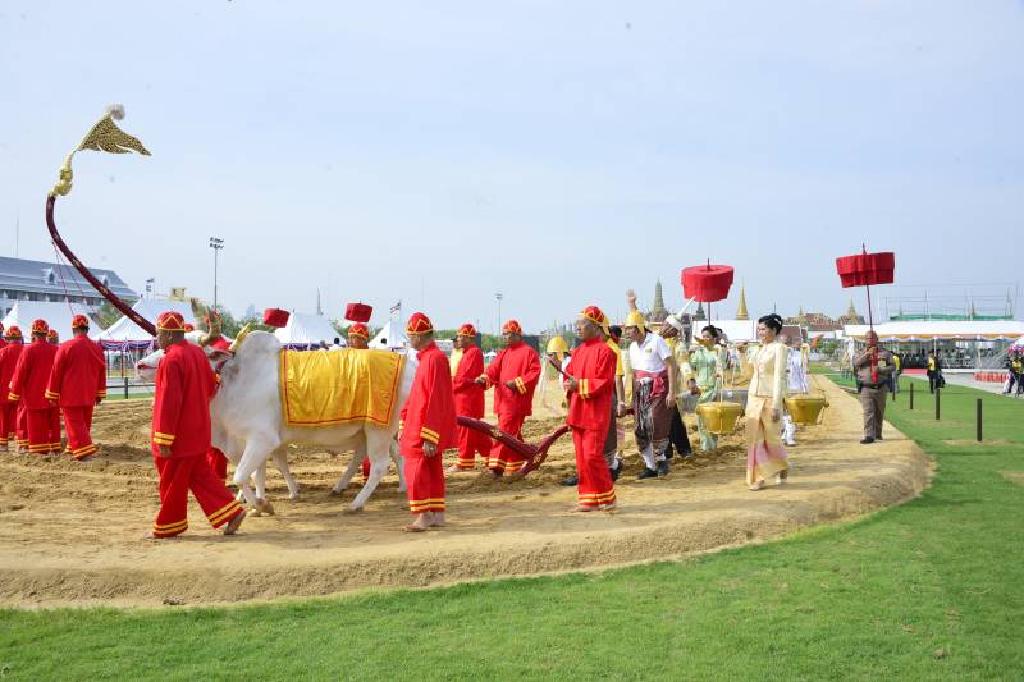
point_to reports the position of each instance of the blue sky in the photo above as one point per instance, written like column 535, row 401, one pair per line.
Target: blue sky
column 557, row 152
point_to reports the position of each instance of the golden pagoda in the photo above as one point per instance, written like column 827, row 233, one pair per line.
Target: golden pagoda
column 741, row 312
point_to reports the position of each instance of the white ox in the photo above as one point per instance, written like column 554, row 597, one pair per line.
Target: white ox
column 247, row 422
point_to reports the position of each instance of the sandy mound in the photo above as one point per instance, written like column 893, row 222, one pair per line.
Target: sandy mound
column 70, row 533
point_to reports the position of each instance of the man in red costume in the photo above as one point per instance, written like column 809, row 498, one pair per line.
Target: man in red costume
column 9, row 355
column 591, row 390
column 52, row 337
column 78, row 381
column 359, row 339
column 514, row 374
column 359, row 336
column 181, row 436
column 469, row 400
column 31, row 375
column 428, row 426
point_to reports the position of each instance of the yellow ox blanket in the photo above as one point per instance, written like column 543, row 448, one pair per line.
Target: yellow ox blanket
column 326, row 388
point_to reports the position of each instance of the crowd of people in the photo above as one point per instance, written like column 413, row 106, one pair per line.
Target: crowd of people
column 46, row 380
column 666, row 378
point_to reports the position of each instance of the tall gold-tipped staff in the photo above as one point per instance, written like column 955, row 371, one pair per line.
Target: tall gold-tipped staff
column 104, row 136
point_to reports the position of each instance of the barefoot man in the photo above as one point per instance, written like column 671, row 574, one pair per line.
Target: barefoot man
column 514, row 374
column 469, row 400
column 78, row 382
column 181, row 436
column 9, row 355
column 428, row 426
column 591, row 389
column 29, row 385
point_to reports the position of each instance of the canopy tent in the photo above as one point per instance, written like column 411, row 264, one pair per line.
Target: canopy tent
column 125, row 334
column 941, row 330
column 57, row 315
column 304, row 330
column 391, row 337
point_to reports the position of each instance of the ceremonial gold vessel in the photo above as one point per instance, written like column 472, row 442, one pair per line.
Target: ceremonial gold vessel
column 805, row 408
column 720, row 417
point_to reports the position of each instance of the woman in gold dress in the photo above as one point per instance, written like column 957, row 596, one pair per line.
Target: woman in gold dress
column 766, row 456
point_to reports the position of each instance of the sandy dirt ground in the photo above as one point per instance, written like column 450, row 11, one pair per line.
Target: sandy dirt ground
column 70, row 533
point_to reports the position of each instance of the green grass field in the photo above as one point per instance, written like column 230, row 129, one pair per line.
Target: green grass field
column 930, row 590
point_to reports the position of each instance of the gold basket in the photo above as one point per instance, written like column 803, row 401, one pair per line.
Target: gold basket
column 805, row 408
column 720, row 417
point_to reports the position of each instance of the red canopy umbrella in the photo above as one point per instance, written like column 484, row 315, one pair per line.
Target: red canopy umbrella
column 707, row 283
column 864, row 269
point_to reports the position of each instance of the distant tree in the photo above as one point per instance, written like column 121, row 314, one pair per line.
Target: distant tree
column 107, row 315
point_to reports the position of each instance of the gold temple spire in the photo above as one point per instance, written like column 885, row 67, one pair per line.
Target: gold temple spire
column 741, row 312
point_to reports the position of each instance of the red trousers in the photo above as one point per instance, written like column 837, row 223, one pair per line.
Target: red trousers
column 55, row 439
column 41, row 428
column 424, row 480
column 218, row 462
column 595, row 481
column 179, row 475
column 8, row 422
column 21, row 427
column 503, row 459
column 471, row 443
column 78, row 424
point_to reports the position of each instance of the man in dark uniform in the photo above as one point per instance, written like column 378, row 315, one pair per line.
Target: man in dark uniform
column 873, row 367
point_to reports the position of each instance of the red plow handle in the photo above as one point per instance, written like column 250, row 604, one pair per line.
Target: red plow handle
column 534, row 454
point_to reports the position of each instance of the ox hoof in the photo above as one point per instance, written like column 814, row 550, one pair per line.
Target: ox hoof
column 264, row 507
column 335, row 492
column 294, row 497
column 352, row 510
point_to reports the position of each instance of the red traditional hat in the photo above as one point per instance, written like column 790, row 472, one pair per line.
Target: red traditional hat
column 419, row 324
column 595, row 315
column 40, row 327
column 80, row 322
column 13, row 332
column 467, row 330
column 189, row 327
column 52, row 334
column 358, row 312
column 512, row 327
column 170, row 321
column 359, row 329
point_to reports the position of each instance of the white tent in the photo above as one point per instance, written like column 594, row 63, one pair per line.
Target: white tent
column 391, row 337
column 928, row 330
column 304, row 329
column 57, row 315
column 125, row 332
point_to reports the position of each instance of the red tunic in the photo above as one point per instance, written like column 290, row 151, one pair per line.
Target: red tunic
column 521, row 364
column 79, row 374
column 593, row 366
column 469, row 395
column 185, row 384
column 32, row 373
column 8, row 361
column 429, row 412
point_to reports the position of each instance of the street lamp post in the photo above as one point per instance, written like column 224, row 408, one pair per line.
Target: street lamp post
column 498, row 296
column 216, row 243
